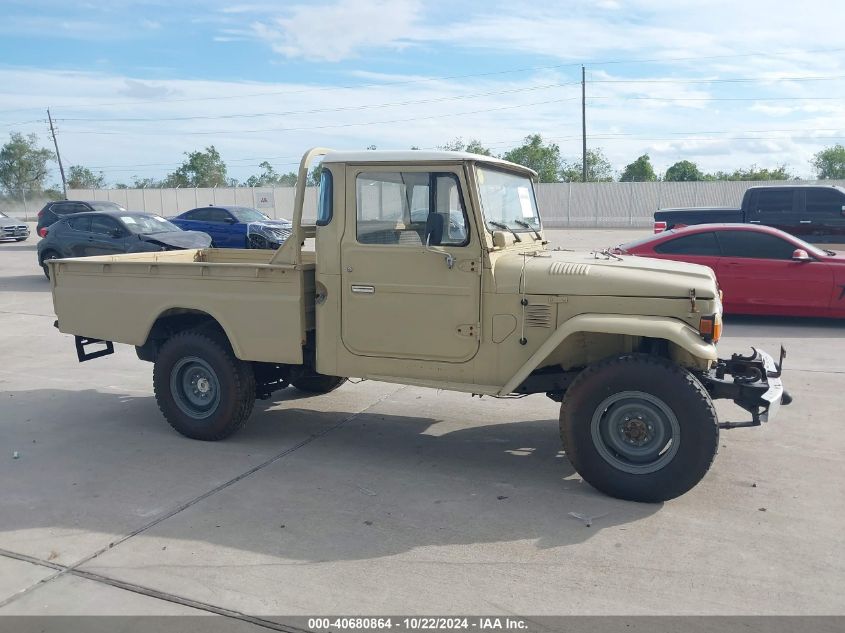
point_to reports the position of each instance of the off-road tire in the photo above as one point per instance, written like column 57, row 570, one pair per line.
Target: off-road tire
column 662, row 381
column 235, row 383
column 317, row 384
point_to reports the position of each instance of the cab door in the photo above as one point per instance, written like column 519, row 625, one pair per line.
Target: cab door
column 410, row 266
column 107, row 237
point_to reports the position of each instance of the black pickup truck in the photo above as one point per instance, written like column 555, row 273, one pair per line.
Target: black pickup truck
column 815, row 213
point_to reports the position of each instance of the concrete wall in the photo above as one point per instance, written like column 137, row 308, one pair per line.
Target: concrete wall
column 606, row 204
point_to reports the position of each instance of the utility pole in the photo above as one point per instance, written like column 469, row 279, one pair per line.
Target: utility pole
column 58, row 156
column 583, row 125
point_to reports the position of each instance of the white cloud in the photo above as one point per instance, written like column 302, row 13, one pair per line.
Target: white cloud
column 341, row 30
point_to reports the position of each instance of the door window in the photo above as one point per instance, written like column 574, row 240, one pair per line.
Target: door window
column 218, row 216
column 80, row 223
column 824, row 203
column 703, row 244
column 754, row 245
column 103, row 225
column 410, row 209
column 774, row 201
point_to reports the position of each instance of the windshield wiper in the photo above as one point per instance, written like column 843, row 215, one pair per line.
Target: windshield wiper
column 502, row 225
column 830, row 252
column 525, row 224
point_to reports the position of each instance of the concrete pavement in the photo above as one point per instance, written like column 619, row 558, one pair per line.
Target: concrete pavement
column 387, row 499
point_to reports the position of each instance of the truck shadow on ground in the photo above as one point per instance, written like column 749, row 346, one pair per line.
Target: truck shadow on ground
column 366, row 485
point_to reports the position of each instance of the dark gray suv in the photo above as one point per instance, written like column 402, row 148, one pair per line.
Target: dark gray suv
column 54, row 211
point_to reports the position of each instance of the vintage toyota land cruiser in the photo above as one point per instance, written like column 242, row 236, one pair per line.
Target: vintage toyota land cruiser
column 431, row 269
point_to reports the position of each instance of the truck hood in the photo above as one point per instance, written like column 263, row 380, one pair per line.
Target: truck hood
column 564, row 273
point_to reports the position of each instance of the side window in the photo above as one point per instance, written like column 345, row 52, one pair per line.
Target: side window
column 103, row 225
column 81, row 223
column 218, row 216
column 754, row 245
column 65, row 208
column 324, row 202
column 824, row 202
column 774, row 201
column 446, row 225
column 196, row 215
column 698, row 244
column 410, row 208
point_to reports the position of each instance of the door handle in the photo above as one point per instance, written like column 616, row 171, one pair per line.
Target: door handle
column 805, row 221
column 363, row 289
column 754, row 221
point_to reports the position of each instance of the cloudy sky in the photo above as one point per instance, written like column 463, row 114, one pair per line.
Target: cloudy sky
column 133, row 85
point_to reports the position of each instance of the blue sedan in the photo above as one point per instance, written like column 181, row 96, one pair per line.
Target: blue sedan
column 235, row 227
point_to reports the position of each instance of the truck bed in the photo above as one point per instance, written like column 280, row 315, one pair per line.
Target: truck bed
column 265, row 309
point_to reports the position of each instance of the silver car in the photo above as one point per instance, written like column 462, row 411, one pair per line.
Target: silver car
column 12, row 228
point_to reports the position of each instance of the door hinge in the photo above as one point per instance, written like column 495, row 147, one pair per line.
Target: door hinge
column 470, row 266
column 470, row 329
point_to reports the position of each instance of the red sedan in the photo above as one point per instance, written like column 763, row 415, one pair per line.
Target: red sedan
column 761, row 270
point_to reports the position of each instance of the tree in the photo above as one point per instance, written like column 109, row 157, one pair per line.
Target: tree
column 200, row 169
column 473, row 146
column 146, row 183
column 270, row 177
column 23, row 165
column 830, row 162
column 598, row 168
column 539, row 156
column 638, row 171
column 79, row 177
column 683, row 171
column 753, row 173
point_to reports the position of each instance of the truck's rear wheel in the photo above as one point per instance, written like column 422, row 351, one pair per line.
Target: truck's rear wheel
column 317, row 383
column 639, row 428
column 203, row 390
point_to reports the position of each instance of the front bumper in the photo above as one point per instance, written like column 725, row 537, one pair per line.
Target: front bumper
column 753, row 382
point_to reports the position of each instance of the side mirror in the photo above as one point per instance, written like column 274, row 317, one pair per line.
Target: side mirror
column 800, row 255
column 230, row 220
column 116, row 233
column 843, row 210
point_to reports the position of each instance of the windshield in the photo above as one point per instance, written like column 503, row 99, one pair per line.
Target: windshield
column 106, row 206
column 148, row 224
column 507, row 199
column 245, row 214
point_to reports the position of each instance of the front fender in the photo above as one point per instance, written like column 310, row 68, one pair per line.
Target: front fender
column 673, row 330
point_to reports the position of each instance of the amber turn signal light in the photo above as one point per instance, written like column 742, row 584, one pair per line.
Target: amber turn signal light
column 710, row 328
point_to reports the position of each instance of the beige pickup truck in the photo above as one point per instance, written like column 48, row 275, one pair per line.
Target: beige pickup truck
column 431, row 269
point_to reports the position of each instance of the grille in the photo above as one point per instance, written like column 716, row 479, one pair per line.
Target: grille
column 15, row 231
column 538, row 315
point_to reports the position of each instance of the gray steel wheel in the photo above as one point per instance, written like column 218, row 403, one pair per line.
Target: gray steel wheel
column 639, row 427
column 195, row 387
column 635, row 432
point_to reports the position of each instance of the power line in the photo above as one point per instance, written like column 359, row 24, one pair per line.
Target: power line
column 323, row 110
column 337, row 125
column 656, row 60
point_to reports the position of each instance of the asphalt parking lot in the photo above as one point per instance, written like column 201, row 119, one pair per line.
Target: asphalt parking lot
column 384, row 499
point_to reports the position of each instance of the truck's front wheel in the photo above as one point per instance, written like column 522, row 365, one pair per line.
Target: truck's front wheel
column 203, row 390
column 639, row 428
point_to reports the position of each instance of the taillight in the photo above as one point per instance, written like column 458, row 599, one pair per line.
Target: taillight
column 659, row 227
column 42, row 231
column 710, row 328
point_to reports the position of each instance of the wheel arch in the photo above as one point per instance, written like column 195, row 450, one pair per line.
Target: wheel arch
column 684, row 345
column 175, row 319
